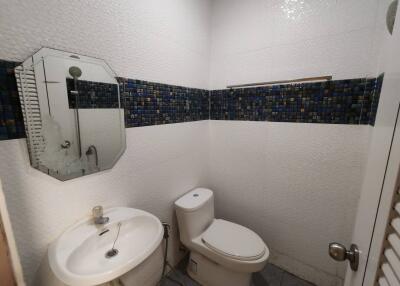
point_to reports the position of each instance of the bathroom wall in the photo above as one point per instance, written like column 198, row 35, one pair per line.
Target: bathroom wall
column 297, row 184
column 160, row 164
column 155, row 40
column 258, row 41
column 160, row 41
column 382, row 38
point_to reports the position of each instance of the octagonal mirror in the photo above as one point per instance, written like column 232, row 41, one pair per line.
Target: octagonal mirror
column 72, row 111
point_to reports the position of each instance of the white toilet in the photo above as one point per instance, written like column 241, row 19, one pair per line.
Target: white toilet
column 222, row 253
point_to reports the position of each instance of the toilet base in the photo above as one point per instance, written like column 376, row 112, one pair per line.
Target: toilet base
column 209, row 273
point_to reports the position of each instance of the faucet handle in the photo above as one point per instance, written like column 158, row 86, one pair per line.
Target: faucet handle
column 98, row 215
column 97, row 211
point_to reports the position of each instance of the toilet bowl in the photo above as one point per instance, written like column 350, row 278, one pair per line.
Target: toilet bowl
column 221, row 252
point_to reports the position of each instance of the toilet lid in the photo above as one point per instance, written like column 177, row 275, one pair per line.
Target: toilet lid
column 233, row 240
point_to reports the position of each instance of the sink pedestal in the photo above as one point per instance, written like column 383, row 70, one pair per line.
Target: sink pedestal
column 148, row 273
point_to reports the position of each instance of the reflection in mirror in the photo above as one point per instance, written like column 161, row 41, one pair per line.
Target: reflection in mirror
column 391, row 16
column 72, row 113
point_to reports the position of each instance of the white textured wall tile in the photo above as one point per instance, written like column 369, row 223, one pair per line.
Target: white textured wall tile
column 296, row 184
column 156, row 40
column 382, row 39
column 160, row 164
column 256, row 41
column 328, row 55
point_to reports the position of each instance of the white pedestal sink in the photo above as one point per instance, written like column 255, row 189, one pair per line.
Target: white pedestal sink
column 79, row 256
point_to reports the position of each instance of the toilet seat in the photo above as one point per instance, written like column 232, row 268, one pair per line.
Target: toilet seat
column 233, row 240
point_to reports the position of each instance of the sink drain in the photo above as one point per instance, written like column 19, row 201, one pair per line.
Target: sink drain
column 111, row 253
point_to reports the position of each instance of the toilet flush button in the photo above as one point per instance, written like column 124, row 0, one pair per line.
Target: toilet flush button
column 195, row 195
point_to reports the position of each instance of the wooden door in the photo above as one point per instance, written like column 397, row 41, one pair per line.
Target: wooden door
column 6, row 271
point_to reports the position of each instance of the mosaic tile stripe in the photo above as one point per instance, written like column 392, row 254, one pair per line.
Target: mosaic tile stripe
column 374, row 97
column 352, row 101
column 93, row 94
column 148, row 103
column 11, row 120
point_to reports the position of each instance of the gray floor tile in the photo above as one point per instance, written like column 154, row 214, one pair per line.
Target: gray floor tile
column 186, row 282
column 291, row 280
column 180, row 276
column 259, row 280
column 270, row 275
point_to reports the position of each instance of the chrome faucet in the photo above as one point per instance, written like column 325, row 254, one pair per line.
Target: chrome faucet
column 98, row 217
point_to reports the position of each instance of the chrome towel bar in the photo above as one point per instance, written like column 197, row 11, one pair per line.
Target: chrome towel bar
column 306, row 79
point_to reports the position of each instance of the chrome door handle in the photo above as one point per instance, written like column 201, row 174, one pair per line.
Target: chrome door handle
column 339, row 252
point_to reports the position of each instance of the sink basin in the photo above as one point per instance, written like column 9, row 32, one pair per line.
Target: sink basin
column 84, row 253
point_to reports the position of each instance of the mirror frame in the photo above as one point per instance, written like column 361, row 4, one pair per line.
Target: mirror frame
column 38, row 57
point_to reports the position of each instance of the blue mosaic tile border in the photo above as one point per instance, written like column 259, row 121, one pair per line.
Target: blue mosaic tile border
column 352, row 101
column 11, row 120
column 93, row 94
column 148, row 103
column 374, row 96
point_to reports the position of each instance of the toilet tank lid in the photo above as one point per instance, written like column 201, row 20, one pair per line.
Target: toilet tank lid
column 194, row 199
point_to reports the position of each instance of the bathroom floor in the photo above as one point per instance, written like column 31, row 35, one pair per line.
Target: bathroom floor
column 269, row 276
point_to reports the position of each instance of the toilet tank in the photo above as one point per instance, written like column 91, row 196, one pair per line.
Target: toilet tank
column 195, row 212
